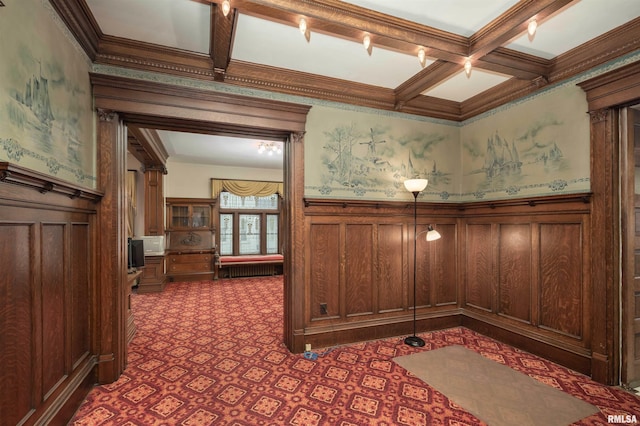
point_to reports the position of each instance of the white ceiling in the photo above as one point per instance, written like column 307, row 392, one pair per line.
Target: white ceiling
column 185, row 24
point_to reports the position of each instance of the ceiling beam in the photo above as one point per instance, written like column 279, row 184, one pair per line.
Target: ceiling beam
column 517, row 64
column 220, row 40
column 427, row 78
column 511, row 24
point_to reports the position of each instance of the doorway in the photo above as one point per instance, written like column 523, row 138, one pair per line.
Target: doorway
column 154, row 105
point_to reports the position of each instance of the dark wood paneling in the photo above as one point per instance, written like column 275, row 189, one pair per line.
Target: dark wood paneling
column 561, row 294
column 424, row 268
column 324, row 243
column 17, row 357
column 47, row 361
column 444, row 276
column 53, row 304
column 80, row 292
column 514, row 271
column 359, row 269
column 479, row 283
column 391, row 267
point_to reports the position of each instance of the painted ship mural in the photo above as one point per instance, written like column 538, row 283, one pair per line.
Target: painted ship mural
column 500, row 158
column 36, row 98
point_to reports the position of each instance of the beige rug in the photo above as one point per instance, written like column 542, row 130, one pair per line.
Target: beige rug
column 494, row 393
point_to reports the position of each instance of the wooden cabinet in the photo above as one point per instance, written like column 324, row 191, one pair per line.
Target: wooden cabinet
column 153, row 278
column 191, row 239
column 132, row 281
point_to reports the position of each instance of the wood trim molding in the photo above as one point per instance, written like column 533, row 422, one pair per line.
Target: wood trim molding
column 18, row 175
column 149, row 104
column 155, row 154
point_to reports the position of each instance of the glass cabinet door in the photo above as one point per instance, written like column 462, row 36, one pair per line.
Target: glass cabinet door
column 179, row 216
column 200, row 217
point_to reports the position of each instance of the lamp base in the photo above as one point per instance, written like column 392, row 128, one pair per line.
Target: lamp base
column 414, row 341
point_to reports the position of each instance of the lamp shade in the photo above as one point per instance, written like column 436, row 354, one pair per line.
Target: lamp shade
column 432, row 234
column 416, row 185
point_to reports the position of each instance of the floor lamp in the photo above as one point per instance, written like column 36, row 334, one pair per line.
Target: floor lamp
column 415, row 186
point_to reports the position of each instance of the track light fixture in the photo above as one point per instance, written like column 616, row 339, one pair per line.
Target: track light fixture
column 531, row 28
column 366, row 42
column 226, row 7
column 303, row 26
column 467, row 67
column 422, row 57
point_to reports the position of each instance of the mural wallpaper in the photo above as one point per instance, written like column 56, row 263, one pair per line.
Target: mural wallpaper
column 369, row 156
column 535, row 147
column 538, row 146
column 46, row 114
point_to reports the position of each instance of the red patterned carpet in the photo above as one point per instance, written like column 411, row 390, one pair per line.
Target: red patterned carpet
column 211, row 353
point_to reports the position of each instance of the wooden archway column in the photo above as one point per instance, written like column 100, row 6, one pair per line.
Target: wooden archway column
column 109, row 302
column 605, row 95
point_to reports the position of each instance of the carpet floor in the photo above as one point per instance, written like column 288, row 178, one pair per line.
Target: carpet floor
column 211, row 353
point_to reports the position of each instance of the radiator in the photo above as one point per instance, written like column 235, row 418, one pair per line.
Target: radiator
column 250, row 270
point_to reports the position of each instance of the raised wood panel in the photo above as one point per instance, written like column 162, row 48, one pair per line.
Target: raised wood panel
column 561, row 284
column 17, row 326
column 479, row 266
column 80, row 292
column 54, row 349
column 359, row 269
column 391, row 267
column 424, row 268
column 514, row 271
column 444, row 277
column 324, row 243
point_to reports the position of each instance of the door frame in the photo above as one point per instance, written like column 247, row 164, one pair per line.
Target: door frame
column 147, row 104
column 607, row 94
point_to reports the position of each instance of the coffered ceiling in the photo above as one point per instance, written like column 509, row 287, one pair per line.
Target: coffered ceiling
column 259, row 45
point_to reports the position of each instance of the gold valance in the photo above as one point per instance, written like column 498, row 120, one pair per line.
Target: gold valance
column 246, row 188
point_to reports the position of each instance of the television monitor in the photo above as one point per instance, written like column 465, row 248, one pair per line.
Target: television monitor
column 135, row 254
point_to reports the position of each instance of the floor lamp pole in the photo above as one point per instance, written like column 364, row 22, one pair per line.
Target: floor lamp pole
column 414, row 340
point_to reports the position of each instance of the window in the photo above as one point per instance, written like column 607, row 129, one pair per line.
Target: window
column 249, row 225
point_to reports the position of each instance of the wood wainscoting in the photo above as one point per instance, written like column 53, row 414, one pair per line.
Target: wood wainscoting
column 514, row 270
column 47, row 258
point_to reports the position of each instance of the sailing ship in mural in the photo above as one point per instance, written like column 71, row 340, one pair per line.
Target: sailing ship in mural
column 512, row 166
column 31, row 111
column 36, row 98
column 500, row 158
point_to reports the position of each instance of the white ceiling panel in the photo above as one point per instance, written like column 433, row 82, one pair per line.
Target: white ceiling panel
column 209, row 149
column 180, row 24
column 462, row 17
column 575, row 25
column 459, row 87
column 268, row 43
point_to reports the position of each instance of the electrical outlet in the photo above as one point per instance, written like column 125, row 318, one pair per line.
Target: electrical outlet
column 323, row 309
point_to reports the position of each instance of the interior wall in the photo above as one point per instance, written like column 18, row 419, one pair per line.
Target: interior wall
column 190, row 180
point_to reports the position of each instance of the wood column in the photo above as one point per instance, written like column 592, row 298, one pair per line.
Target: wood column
column 605, row 254
column 154, row 201
column 293, row 219
column 112, row 279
